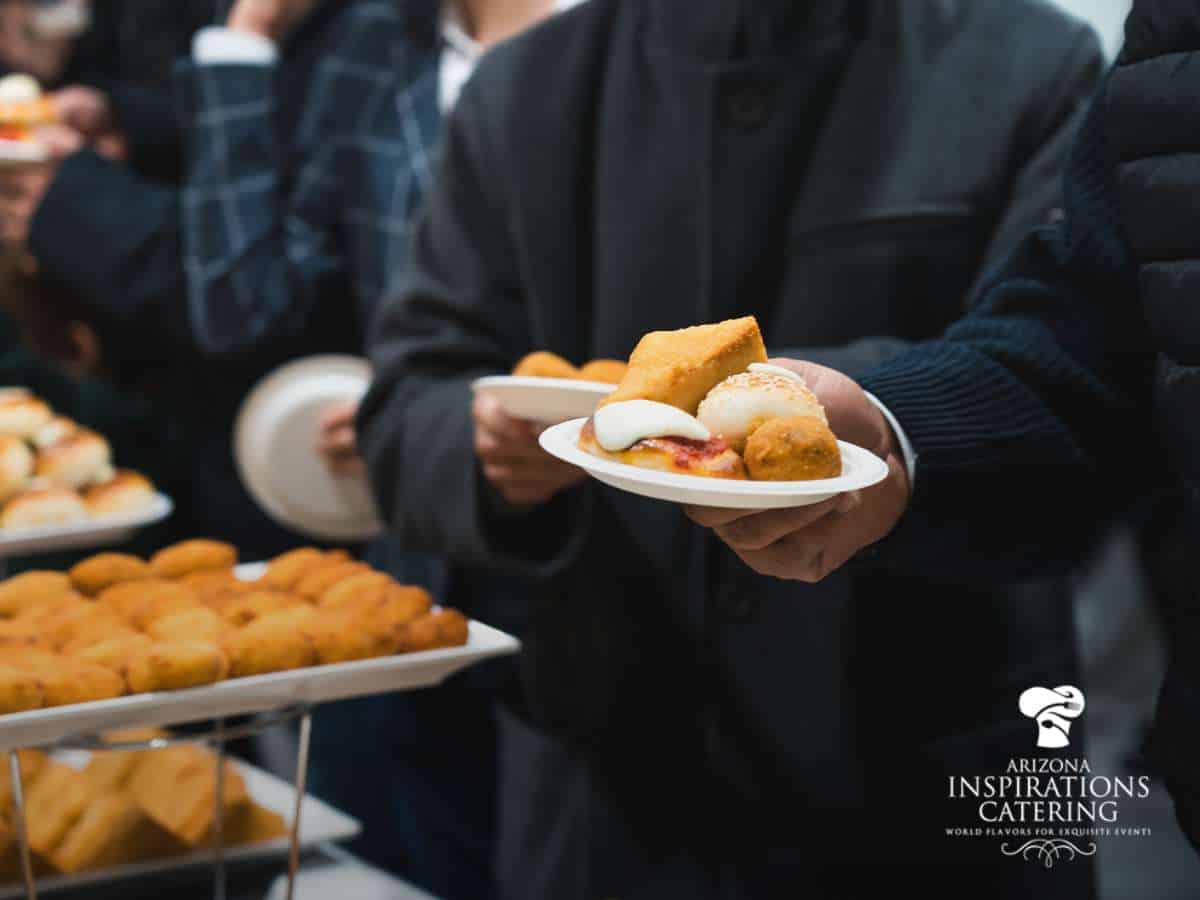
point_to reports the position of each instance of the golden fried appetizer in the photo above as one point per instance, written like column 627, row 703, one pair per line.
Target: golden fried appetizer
column 385, row 621
column 321, row 578
column 114, row 654
column 20, row 691
column 82, row 622
column 444, row 628
column 97, row 635
column 800, row 448
column 605, row 371
column 104, row 570
column 32, row 764
column 193, row 556
column 215, row 583
column 32, row 588
column 253, row 824
column 680, row 367
column 164, row 601
column 70, row 680
column 270, row 644
column 284, row 571
column 112, row 830
column 111, row 770
column 544, row 365
column 176, row 787
column 250, row 607
column 174, row 666
column 740, row 404
column 341, row 637
column 55, row 801
column 17, row 633
column 349, row 591
column 197, row 624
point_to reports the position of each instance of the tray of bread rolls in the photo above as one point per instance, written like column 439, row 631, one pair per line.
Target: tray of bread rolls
column 59, row 488
column 120, row 641
column 110, row 816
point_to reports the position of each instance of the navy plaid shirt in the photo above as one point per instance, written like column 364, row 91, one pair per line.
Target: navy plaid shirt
column 275, row 226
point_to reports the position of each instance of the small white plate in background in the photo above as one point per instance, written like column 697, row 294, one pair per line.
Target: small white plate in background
column 546, row 401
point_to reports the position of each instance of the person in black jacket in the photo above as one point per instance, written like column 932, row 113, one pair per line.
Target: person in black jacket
column 1043, row 407
column 689, row 727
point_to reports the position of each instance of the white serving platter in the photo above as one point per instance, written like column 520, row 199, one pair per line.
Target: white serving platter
column 860, row 469
column 320, row 823
column 258, row 693
column 98, row 532
column 546, row 401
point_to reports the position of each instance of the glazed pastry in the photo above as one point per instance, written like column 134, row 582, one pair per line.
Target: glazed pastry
column 176, row 787
column 544, row 365
column 741, row 403
column 78, row 460
column 16, row 467
column 94, row 574
column 800, row 448
column 127, row 493
column 193, row 556
column 680, row 367
column 42, row 507
column 605, row 371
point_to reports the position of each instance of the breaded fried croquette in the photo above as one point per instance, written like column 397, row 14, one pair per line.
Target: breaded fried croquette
column 111, row 770
column 31, row 588
column 542, row 364
column 253, row 824
column 175, row 665
column 213, row 582
column 605, row 371
column 33, row 762
column 284, row 571
column 40, row 613
column 104, row 570
column 444, row 628
column 16, row 633
column 385, row 621
column 250, row 607
column 20, row 691
column 81, row 621
column 162, row 603
column 142, row 602
column 197, row 624
column 198, row 555
column 110, row 832
column 55, row 801
column 70, row 680
column 799, row 448
column 270, row 644
column 321, row 578
column 344, row 592
column 114, row 654
column 98, row 634
column 176, row 787
column 341, row 637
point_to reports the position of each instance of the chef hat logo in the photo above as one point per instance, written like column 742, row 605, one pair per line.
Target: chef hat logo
column 1053, row 710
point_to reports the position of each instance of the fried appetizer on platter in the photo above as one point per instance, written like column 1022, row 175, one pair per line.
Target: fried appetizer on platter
column 41, row 507
column 127, row 493
column 800, row 448
column 19, row 691
column 86, row 622
column 112, row 831
column 100, row 634
column 605, row 371
column 21, row 416
column 737, row 406
column 250, row 607
column 284, row 571
column 314, row 583
column 94, row 574
column 341, row 637
column 176, row 787
column 16, row 467
column 111, row 770
column 115, row 653
column 17, row 634
column 345, row 592
column 55, row 801
column 197, row 624
column 443, row 628
column 217, row 583
column 270, row 644
column 164, row 600
column 680, row 367
column 713, row 458
column 544, row 365
column 76, row 461
column 193, row 556
column 174, row 666
column 253, row 824
column 31, row 588
column 70, row 680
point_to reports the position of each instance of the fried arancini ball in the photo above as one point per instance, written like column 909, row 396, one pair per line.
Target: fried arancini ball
column 175, row 665
column 31, row 588
column 317, row 580
column 246, row 609
column 797, row 448
column 104, row 570
column 271, row 644
column 196, row 624
column 114, row 654
column 19, row 691
column 193, row 556
column 605, row 371
column 346, row 592
column 284, row 571
column 443, row 628
column 544, row 365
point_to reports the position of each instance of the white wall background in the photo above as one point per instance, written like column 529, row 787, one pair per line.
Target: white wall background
column 1108, row 16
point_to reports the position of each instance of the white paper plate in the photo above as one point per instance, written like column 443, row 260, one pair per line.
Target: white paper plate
column 258, row 693
column 320, row 823
column 546, row 401
column 860, row 469
column 99, row 532
column 275, row 437
column 22, row 153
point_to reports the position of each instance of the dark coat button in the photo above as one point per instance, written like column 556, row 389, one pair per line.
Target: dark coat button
column 747, row 107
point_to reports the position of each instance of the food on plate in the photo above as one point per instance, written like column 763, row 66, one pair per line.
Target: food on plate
column 55, row 801
column 284, row 571
column 544, row 365
column 177, row 788
column 94, row 574
column 111, row 830
column 42, row 507
column 215, row 584
column 69, row 680
column 247, row 608
column 21, row 415
column 81, row 623
column 23, row 107
column 161, row 599
column 30, row 589
column 16, row 466
column 703, row 401
column 111, row 770
column 77, row 461
column 19, row 691
column 355, row 587
column 200, row 623
column 193, row 556
column 605, row 371
column 115, row 653
column 128, row 492
column 175, row 665
column 341, row 637
column 679, row 368
column 321, row 578
column 443, row 628
column 798, row 448
column 269, row 644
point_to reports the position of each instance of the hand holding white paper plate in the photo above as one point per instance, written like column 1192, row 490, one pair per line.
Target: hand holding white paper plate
column 860, row 469
column 275, row 440
column 546, row 401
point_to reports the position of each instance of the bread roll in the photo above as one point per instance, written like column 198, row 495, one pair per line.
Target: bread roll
column 127, row 493
column 78, row 460
column 801, row 448
column 21, row 415
column 737, row 406
column 16, row 467
column 58, row 428
column 42, row 507
column 681, row 367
